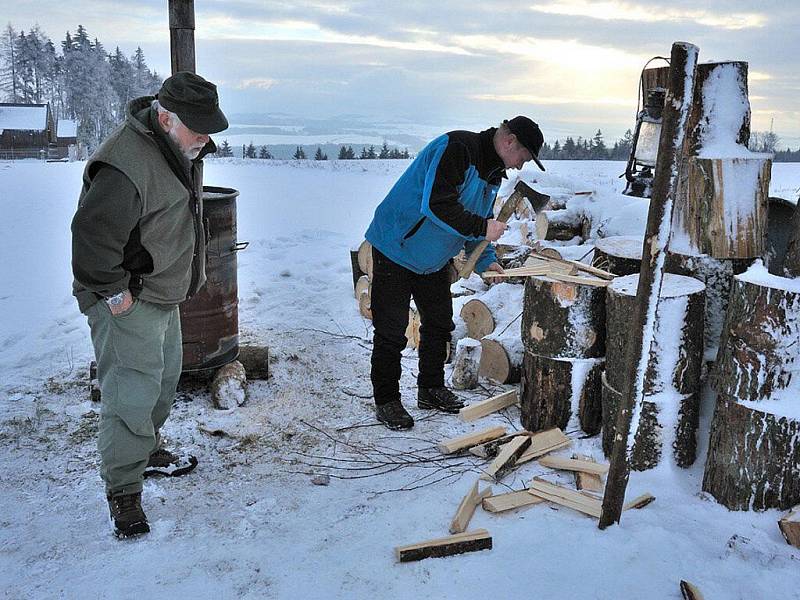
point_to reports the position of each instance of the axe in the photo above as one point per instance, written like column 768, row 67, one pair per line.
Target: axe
column 521, row 190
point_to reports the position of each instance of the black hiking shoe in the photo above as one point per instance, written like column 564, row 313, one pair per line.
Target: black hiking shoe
column 164, row 462
column 127, row 514
column 394, row 416
column 439, row 398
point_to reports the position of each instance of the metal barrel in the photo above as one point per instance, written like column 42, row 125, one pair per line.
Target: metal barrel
column 210, row 319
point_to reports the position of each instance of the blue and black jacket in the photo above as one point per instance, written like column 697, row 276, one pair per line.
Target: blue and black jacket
column 440, row 205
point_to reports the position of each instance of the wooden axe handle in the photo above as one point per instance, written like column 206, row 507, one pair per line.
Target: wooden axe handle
column 508, row 208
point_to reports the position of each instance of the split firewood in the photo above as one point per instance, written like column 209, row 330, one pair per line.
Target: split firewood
column 639, row 502
column 365, row 305
column 466, row 364
column 467, row 508
column 544, row 442
column 507, row 458
column 486, row 407
column 229, row 386
column 572, row 464
column 469, row 440
column 365, row 258
column 548, row 257
column 490, row 448
column 362, row 285
column 690, row 592
column 587, row 481
column 580, row 279
column 470, row 541
column 510, row 501
column 565, row 497
column 790, row 527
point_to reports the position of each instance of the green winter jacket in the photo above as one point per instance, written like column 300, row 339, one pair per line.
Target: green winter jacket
column 139, row 224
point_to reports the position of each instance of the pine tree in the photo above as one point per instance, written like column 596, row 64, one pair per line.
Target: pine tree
column 264, row 153
column 364, row 153
column 351, row 154
column 598, row 150
column 224, row 149
column 299, row 154
column 342, row 153
column 319, row 155
column 371, row 153
column 250, row 151
column 404, row 154
column 9, row 78
column 384, row 153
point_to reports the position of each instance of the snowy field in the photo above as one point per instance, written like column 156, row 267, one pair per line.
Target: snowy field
column 249, row 523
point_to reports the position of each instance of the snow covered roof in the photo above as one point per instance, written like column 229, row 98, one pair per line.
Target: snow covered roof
column 67, row 128
column 31, row 117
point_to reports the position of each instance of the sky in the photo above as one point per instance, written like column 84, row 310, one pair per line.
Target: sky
column 571, row 65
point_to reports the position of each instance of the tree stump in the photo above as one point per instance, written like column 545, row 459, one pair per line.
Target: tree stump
column 717, row 275
column 466, row 364
column 562, row 225
column 620, row 255
column 753, row 456
column 563, row 320
column 553, row 391
column 759, row 354
column 670, row 407
column 650, row 436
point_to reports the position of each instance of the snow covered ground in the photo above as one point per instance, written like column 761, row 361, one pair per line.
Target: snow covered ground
column 248, row 522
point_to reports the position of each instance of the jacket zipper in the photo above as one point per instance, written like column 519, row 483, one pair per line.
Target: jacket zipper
column 197, row 236
column 413, row 230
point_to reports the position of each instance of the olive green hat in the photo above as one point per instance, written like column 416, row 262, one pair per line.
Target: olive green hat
column 194, row 100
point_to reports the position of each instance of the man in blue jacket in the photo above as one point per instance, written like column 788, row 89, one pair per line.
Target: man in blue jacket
column 439, row 206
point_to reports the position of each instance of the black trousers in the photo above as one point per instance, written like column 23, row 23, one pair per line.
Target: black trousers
column 393, row 286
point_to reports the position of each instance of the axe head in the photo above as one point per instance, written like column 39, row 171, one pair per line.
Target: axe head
column 538, row 200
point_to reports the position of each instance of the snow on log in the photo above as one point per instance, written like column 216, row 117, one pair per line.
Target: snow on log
column 561, row 225
column 466, row 364
column 754, row 455
column 620, row 255
column 670, row 407
column 563, row 320
column 717, row 275
column 497, row 308
column 555, row 391
column 229, row 386
column 759, row 354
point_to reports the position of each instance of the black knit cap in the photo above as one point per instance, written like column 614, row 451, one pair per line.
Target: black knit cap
column 194, row 100
column 529, row 135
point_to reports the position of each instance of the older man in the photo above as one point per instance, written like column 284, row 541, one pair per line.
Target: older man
column 138, row 250
column 439, row 206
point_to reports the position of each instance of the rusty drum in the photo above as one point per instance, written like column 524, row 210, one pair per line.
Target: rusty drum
column 210, row 319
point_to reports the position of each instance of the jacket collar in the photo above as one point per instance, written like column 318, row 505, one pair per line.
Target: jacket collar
column 493, row 165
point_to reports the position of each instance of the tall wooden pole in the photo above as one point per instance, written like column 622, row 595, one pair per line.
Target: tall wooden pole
column 181, row 35
column 683, row 63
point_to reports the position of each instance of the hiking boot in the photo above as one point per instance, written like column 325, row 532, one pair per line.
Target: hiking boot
column 171, row 464
column 127, row 514
column 439, row 398
column 394, row 416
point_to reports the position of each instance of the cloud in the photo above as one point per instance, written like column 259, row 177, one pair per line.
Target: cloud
column 255, row 83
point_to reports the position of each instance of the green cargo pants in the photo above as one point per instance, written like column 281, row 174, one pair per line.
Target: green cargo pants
column 138, row 356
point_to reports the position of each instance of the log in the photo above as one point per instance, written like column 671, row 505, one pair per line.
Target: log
column 561, row 225
column 471, row 541
column 782, row 231
column 495, row 308
column 759, row 356
column 478, row 318
column 365, row 258
column 412, row 330
column 656, row 428
column 501, row 358
column 563, row 320
column 753, row 456
column 790, row 527
column 510, row 501
column 229, row 386
column 553, row 391
column 469, row 440
column 506, row 459
column 683, row 62
column 255, row 360
column 467, row 508
column 356, row 269
column 365, row 305
column 466, row 364
column 676, row 356
column 621, row 255
column 486, row 407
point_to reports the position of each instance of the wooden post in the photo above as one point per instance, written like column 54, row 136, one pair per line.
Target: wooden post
column 181, row 35
column 683, row 64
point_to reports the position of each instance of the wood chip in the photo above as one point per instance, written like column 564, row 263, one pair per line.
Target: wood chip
column 639, row 502
column 510, row 501
column 470, row 541
column 486, row 407
column 469, row 440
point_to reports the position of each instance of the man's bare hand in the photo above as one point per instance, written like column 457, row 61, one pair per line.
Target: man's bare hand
column 494, row 229
column 487, row 273
column 127, row 302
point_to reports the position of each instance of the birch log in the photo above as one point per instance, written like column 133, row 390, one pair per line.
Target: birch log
column 466, row 364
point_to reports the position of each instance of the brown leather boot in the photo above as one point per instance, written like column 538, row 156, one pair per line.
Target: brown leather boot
column 127, row 514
